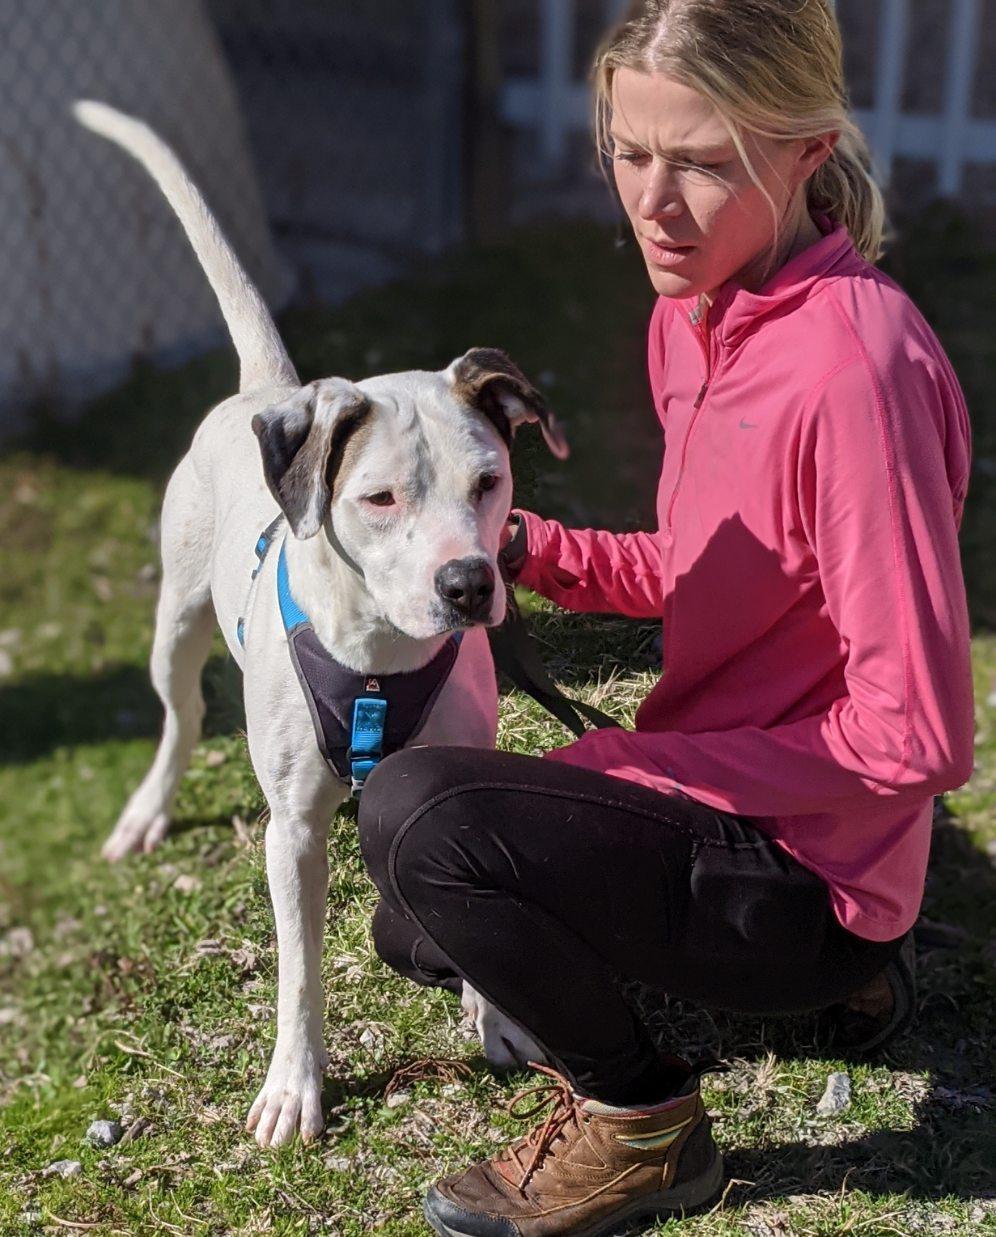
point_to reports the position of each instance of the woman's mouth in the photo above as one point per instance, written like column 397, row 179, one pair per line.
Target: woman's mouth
column 667, row 255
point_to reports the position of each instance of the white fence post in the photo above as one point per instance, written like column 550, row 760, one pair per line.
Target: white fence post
column 958, row 94
column 892, row 29
column 554, row 104
column 556, row 48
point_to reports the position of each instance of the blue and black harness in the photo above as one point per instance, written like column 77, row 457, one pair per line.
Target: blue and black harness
column 358, row 718
column 361, row 718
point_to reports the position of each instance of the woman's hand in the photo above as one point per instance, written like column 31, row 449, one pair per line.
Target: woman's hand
column 513, row 547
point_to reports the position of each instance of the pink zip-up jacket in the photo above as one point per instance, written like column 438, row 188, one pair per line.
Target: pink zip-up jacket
column 816, row 657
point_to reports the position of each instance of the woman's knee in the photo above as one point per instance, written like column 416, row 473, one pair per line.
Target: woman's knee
column 402, row 789
column 401, row 943
column 394, row 939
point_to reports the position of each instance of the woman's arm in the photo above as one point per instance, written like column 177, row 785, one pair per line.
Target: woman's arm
column 588, row 569
column 881, row 483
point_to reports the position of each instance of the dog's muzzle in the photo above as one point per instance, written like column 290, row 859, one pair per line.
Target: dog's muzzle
column 468, row 586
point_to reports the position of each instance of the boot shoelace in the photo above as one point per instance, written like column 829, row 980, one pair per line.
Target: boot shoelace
column 560, row 1098
column 556, row 1095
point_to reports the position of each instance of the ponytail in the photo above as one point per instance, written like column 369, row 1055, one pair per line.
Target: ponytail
column 844, row 189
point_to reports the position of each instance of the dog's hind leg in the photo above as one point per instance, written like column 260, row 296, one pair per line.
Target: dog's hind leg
column 184, row 626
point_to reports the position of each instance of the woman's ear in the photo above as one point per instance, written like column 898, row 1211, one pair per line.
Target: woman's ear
column 816, row 151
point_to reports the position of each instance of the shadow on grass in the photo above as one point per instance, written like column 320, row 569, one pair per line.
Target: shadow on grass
column 581, row 650
column 946, row 1154
column 952, row 1146
column 337, row 1092
column 142, row 428
column 42, row 712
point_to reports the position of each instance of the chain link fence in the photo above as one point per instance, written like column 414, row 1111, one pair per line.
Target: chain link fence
column 335, row 142
column 326, row 138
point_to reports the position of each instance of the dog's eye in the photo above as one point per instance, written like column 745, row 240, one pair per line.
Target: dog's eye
column 383, row 498
column 486, row 482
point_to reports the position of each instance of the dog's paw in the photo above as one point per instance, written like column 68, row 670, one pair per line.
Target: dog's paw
column 135, row 831
column 506, row 1045
column 290, row 1101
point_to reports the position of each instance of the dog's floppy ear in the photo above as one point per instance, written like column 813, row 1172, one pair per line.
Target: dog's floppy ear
column 490, row 381
column 301, row 441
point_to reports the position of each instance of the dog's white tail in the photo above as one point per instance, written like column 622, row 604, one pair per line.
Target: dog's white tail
column 262, row 356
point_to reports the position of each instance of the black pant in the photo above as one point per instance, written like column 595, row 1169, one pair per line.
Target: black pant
column 545, row 885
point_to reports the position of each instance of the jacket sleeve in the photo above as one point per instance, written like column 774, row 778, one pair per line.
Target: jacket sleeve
column 591, row 569
column 880, row 489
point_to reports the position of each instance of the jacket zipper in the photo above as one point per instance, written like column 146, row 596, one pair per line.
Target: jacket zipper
column 705, row 340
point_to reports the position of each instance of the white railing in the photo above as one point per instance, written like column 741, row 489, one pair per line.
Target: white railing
column 555, row 103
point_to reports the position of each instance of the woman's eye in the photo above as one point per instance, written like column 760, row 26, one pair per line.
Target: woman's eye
column 383, row 498
column 629, row 156
column 708, row 168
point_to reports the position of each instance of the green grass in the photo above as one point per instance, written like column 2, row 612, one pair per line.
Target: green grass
column 147, row 989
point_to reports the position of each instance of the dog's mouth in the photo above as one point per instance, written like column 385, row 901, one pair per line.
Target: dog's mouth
column 452, row 618
column 456, row 622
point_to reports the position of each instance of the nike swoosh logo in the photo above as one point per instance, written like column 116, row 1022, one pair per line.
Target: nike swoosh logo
column 747, row 425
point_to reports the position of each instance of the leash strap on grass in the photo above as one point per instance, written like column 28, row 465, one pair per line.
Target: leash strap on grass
column 517, row 656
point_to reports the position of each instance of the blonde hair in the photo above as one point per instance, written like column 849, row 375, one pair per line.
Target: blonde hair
column 773, row 68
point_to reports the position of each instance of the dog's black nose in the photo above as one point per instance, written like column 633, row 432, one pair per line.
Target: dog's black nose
column 468, row 584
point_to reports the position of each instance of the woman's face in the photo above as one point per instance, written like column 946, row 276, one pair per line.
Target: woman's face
column 697, row 215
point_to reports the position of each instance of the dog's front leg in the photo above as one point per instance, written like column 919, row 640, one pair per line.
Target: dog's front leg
column 298, row 874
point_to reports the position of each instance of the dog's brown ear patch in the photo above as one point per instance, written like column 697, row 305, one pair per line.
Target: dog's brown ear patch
column 302, row 441
column 489, row 380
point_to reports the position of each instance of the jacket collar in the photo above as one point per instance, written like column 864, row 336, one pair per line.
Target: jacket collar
column 735, row 310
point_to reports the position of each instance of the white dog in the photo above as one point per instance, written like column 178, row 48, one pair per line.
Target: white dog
column 393, row 493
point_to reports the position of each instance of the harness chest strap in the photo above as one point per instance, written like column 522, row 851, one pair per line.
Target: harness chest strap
column 358, row 718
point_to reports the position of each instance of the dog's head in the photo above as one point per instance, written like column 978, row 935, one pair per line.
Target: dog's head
column 408, row 477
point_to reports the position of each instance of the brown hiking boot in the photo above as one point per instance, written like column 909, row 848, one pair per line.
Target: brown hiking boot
column 585, row 1170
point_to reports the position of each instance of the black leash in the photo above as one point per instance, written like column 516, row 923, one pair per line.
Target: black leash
column 517, row 656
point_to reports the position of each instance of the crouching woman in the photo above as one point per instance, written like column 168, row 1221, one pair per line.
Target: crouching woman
column 759, row 841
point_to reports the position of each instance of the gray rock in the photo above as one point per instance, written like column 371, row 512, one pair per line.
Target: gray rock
column 837, row 1095
column 369, row 1038
column 63, row 1168
column 104, row 1133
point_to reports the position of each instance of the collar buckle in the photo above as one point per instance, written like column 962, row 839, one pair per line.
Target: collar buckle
column 366, row 745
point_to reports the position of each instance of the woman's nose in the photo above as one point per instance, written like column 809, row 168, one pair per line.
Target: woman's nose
column 660, row 197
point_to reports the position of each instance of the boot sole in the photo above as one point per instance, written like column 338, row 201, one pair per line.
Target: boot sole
column 684, row 1199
